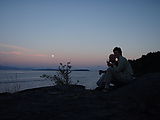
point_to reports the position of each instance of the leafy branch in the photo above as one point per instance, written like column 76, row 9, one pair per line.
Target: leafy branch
column 63, row 75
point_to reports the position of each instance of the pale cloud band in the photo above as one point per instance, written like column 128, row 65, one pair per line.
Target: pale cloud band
column 17, row 50
column 10, row 53
column 13, row 47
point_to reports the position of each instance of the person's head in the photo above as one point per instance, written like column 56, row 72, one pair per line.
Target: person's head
column 112, row 58
column 117, row 51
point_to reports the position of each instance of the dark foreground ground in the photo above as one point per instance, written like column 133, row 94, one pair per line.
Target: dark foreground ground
column 139, row 100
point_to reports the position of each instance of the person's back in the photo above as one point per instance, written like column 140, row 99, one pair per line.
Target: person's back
column 128, row 68
column 124, row 66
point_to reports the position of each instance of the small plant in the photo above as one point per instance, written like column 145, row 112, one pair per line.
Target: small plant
column 13, row 85
column 63, row 75
column 13, row 88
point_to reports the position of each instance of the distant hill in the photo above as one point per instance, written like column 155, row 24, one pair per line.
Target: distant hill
column 57, row 69
column 81, row 70
column 12, row 68
column 7, row 68
column 46, row 69
column 149, row 63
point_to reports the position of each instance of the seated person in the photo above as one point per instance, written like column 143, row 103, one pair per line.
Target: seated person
column 101, row 81
column 119, row 71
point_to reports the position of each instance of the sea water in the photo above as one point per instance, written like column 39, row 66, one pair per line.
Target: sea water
column 17, row 80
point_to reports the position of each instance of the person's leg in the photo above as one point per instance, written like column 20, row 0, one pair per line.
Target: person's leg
column 108, row 77
column 120, row 79
column 101, row 81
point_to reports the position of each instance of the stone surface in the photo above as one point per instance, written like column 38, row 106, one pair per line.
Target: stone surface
column 136, row 101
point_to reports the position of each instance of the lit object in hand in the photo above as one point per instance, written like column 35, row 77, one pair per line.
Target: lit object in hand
column 52, row 56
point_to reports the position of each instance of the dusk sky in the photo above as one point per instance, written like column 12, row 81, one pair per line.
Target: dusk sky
column 43, row 33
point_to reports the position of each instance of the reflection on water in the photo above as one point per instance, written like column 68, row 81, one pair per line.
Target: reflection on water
column 11, row 81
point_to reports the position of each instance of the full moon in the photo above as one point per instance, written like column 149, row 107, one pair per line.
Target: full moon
column 52, row 56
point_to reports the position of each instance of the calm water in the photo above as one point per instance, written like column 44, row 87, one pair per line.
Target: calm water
column 11, row 81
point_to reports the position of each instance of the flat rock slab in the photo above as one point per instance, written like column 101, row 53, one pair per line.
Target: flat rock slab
column 136, row 101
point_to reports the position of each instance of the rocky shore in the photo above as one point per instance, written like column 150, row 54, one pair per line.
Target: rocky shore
column 140, row 100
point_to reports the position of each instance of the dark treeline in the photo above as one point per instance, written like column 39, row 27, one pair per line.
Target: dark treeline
column 146, row 64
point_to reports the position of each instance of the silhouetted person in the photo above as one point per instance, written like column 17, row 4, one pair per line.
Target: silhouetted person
column 119, row 72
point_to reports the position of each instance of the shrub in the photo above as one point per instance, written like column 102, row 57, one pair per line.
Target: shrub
column 148, row 63
column 63, row 75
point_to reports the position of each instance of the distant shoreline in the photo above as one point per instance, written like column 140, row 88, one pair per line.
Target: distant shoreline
column 58, row 70
column 37, row 69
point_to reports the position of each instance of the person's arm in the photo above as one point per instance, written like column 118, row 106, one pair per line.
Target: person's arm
column 110, row 64
column 102, row 71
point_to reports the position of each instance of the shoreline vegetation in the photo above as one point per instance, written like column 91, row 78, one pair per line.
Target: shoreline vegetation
column 148, row 63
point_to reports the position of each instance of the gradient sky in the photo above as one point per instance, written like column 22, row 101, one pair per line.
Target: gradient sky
column 81, row 31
